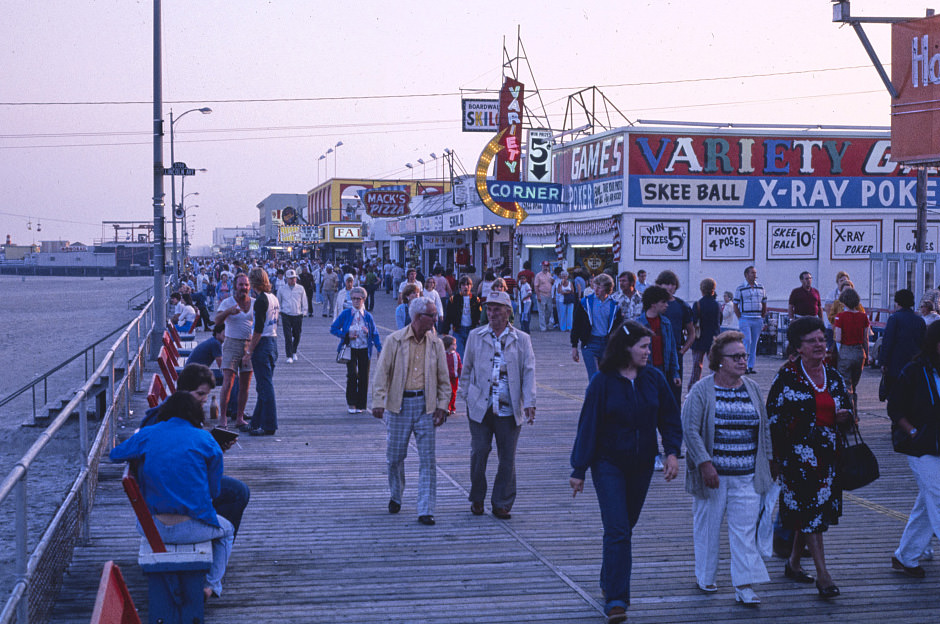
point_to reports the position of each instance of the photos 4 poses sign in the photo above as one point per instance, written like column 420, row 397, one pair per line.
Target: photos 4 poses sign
column 727, row 240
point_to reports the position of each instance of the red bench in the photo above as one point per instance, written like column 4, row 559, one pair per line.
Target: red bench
column 168, row 369
column 176, row 573
column 113, row 604
column 157, row 391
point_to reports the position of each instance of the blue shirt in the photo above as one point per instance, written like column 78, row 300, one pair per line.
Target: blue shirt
column 181, row 470
column 600, row 318
column 205, row 352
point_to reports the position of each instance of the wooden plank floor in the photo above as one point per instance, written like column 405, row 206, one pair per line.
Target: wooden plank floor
column 317, row 543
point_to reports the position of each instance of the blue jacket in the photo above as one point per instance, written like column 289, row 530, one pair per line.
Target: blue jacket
column 670, row 356
column 583, row 319
column 619, row 420
column 340, row 329
column 904, row 332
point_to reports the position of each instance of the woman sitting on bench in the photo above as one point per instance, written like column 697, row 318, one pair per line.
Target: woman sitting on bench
column 180, row 472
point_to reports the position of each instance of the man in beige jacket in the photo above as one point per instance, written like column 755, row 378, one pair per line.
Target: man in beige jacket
column 498, row 384
column 411, row 392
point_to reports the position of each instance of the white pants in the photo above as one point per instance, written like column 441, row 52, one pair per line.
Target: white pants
column 737, row 496
column 924, row 521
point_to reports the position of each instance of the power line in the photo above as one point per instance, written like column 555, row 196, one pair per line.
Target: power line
column 335, row 98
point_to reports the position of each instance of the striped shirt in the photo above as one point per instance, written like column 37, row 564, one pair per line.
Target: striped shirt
column 750, row 299
column 736, row 429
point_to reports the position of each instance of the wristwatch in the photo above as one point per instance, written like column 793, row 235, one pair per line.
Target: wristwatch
column 912, row 432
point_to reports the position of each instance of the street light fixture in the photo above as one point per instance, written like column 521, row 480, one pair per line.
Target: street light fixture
column 205, row 110
column 336, row 155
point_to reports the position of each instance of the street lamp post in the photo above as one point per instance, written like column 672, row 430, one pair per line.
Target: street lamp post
column 205, row 110
column 322, row 157
column 335, row 155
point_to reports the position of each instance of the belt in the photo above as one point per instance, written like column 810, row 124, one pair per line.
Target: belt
column 408, row 394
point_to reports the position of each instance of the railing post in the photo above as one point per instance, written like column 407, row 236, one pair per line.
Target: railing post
column 83, row 450
column 22, row 609
column 34, row 402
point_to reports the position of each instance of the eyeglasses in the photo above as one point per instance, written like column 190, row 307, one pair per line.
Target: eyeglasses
column 356, row 298
column 737, row 357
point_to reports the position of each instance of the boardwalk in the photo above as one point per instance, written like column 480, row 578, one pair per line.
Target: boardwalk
column 317, row 544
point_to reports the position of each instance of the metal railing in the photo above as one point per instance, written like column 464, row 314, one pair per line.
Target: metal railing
column 39, row 573
column 143, row 296
column 90, row 355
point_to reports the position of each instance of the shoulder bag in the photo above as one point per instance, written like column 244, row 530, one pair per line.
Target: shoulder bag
column 858, row 466
column 344, row 355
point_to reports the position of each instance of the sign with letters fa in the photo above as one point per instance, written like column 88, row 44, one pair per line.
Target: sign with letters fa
column 727, row 240
column 792, row 240
column 855, row 239
column 661, row 239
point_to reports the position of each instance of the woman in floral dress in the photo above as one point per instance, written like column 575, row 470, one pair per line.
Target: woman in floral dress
column 807, row 404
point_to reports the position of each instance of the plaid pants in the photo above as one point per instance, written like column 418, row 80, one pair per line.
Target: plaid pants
column 399, row 428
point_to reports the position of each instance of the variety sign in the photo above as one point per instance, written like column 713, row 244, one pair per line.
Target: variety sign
column 661, row 239
column 387, row 201
column 765, row 172
column 727, row 240
column 792, row 240
column 855, row 239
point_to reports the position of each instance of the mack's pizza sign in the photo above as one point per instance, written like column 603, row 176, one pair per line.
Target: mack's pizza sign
column 387, row 201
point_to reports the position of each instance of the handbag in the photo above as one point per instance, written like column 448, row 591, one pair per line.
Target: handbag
column 344, row 355
column 568, row 298
column 858, row 466
column 883, row 388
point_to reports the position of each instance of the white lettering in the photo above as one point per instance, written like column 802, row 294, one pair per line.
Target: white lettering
column 868, row 191
column 806, row 149
column 879, row 159
column 746, row 156
column 684, row 153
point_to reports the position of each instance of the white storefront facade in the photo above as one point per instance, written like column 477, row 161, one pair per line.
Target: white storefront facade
column 707, row 202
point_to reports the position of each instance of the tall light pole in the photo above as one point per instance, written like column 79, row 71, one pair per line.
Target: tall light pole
column 335, row 155
column 205, row 110
column 322, row 157
column 159, row 221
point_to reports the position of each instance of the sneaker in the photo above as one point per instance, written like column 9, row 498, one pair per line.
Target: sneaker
column 927, row 555
column 351, row 410
column 290, row 360
column 746, row 595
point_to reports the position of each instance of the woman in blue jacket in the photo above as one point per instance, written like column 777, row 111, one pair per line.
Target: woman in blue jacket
column 355, row 327
column 625, row 404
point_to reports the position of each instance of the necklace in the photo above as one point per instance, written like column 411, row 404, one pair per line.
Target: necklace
column 810, row 379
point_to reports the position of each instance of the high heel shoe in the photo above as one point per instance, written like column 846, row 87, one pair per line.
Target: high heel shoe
column 827, row 592
column 797, row 575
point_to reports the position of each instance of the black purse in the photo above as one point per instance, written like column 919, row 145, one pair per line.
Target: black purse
column 858, row 466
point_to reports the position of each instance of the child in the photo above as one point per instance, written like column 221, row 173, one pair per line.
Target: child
column 454, row 367
column 525, row 302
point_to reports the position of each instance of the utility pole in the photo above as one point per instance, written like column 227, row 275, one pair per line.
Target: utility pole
column 159, row 262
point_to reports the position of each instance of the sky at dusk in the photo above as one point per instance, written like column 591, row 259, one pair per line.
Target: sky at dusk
column 289, row 79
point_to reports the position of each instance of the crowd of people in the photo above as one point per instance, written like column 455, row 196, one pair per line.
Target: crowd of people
column 457, row 339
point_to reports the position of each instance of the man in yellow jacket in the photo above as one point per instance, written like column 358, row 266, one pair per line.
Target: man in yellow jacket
column 410, row 393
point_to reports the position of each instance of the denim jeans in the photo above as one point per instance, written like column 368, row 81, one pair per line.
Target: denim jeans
column 751, row 327
column 461, row 334
column 232, row 500
column 621, row 492
column 592, row 352
column 262, row 361
column 193, row 531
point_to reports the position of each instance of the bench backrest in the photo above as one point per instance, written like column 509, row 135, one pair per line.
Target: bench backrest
column 113, row 604
column 157, row 391
column 174, row 333
column 169, row 371
column 170, row 347
column 132, row 488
